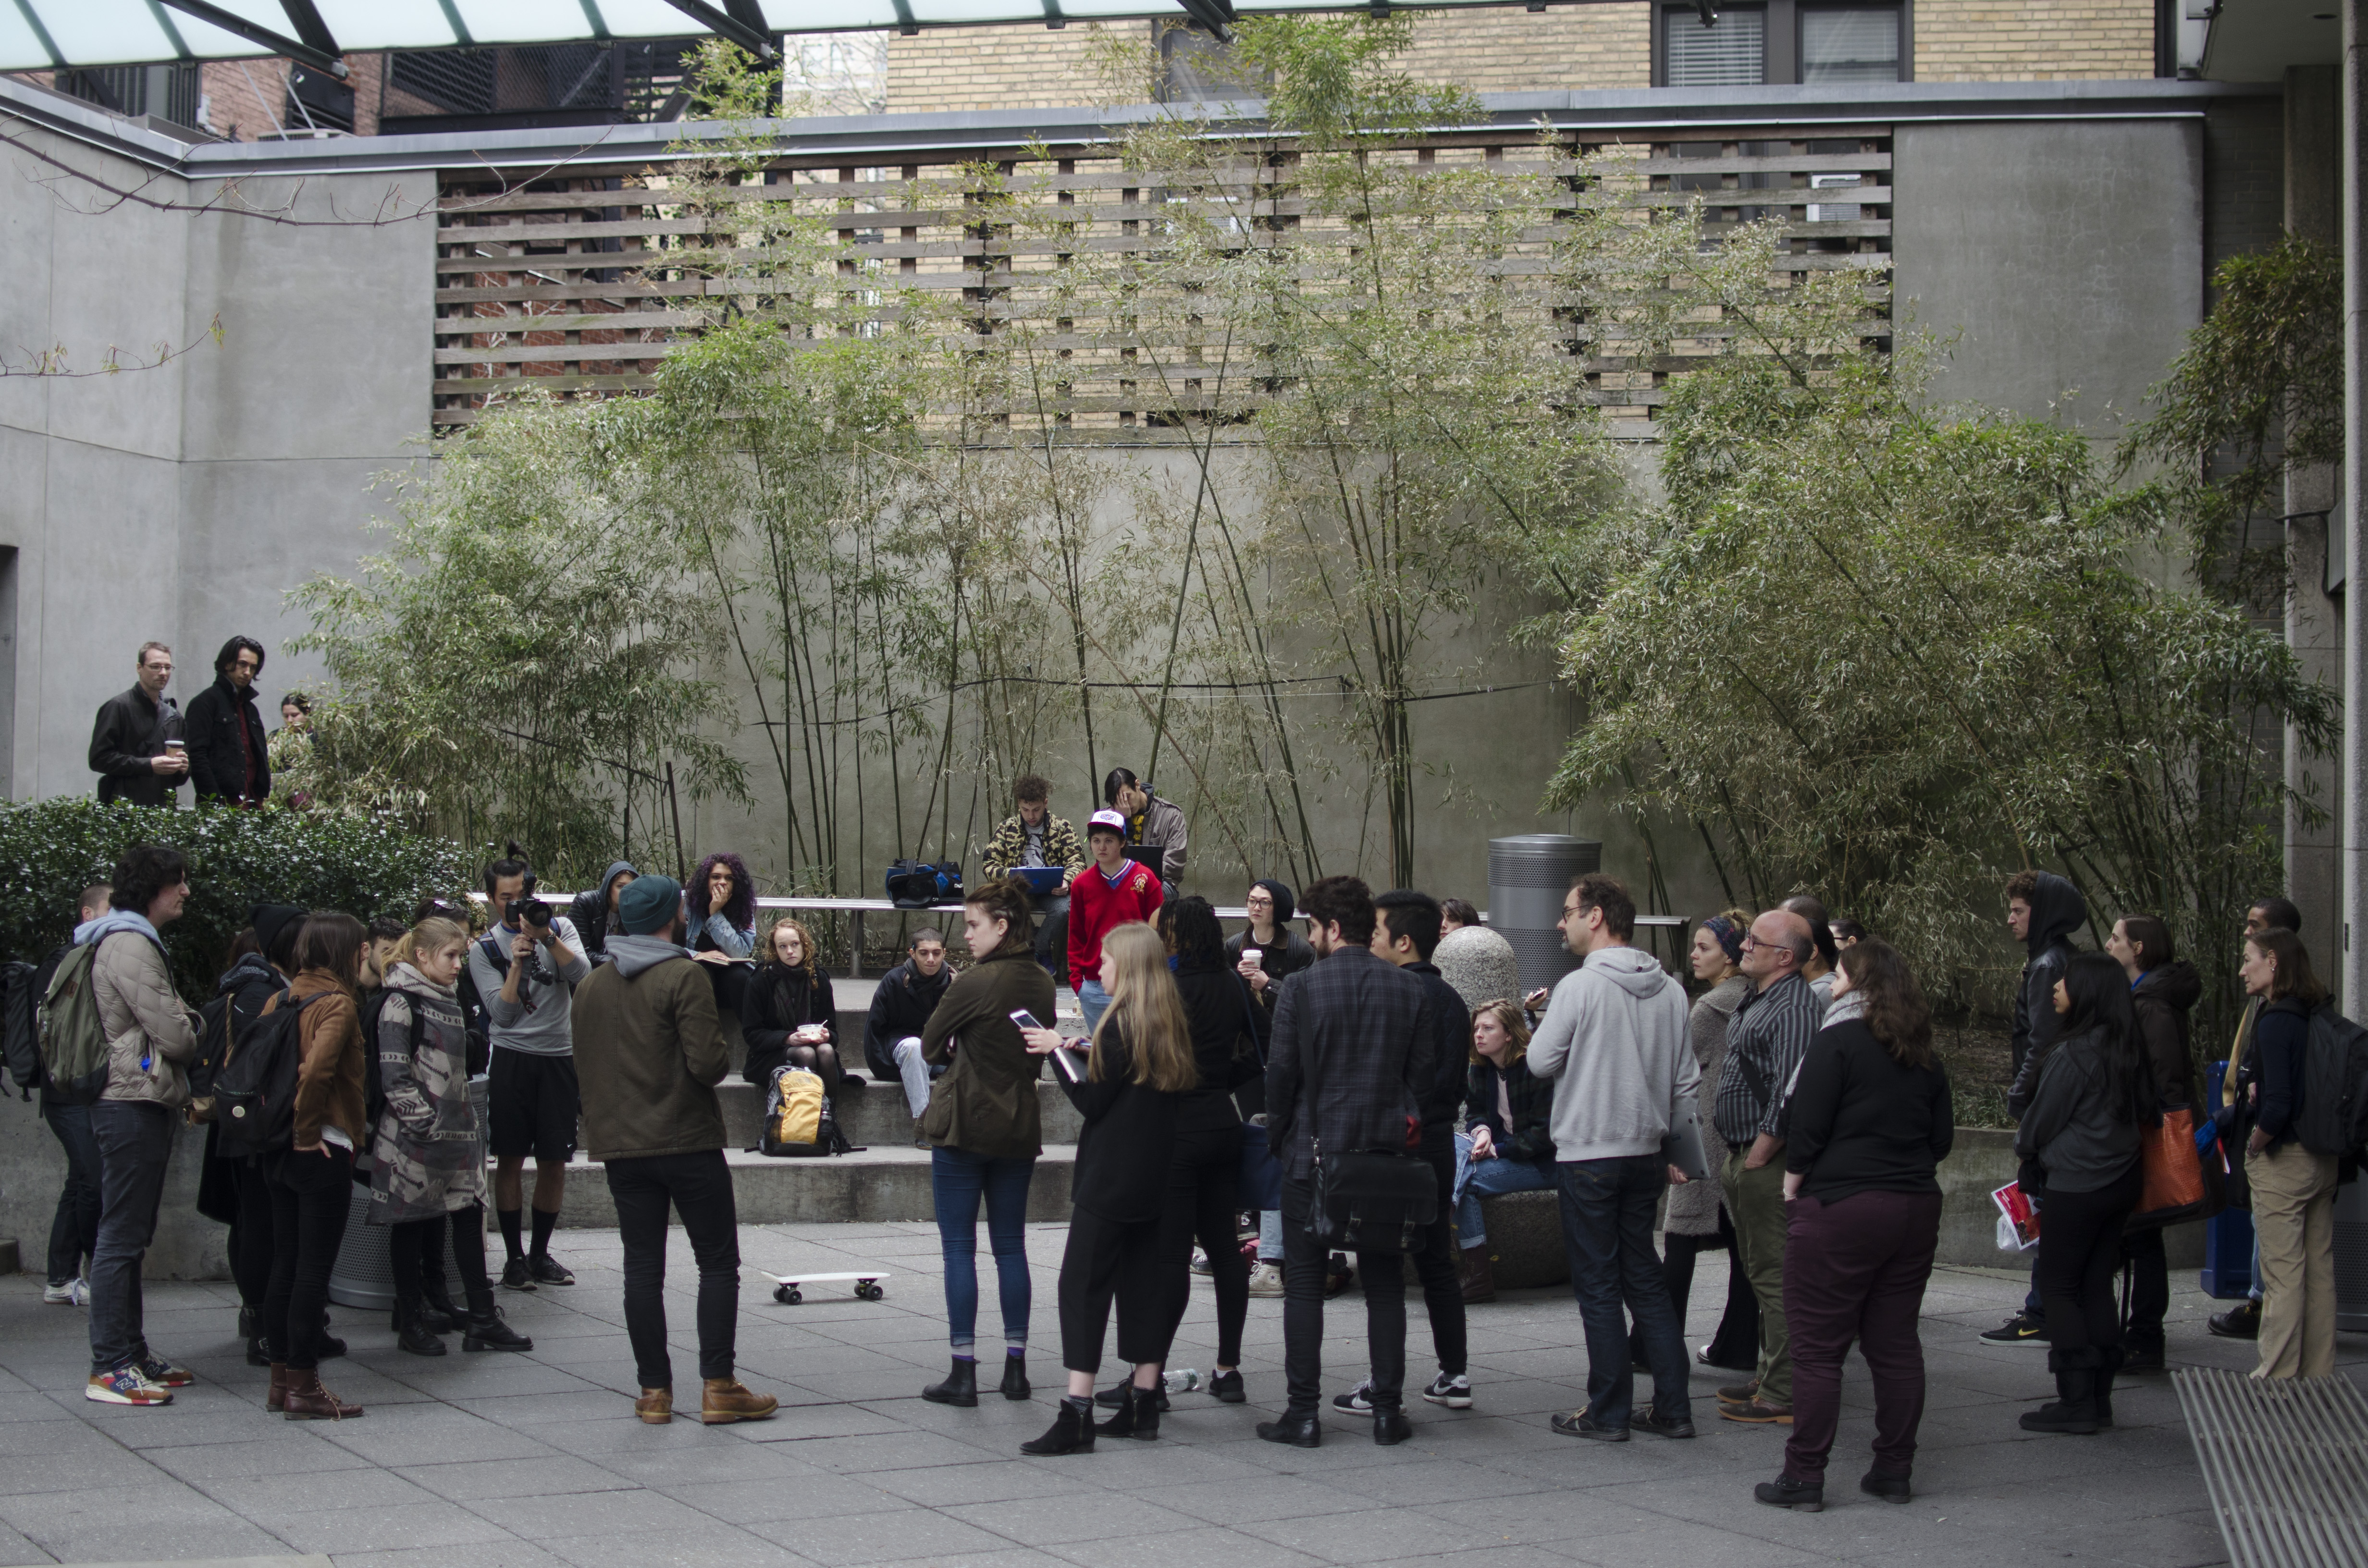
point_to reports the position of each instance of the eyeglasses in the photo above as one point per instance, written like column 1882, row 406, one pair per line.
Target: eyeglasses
column 1750, row 941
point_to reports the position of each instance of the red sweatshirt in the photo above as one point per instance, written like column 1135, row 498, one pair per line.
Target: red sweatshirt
column 1096, row 906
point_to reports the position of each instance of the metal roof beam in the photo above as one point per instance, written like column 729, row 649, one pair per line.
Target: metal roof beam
column 753, row 39
column 1216, row 15
column 308, row 26
column 278, row 43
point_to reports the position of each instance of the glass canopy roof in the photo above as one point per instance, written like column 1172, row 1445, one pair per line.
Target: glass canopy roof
column 43, row 34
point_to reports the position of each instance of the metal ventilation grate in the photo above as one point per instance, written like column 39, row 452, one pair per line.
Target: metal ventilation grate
column 2286, row 1463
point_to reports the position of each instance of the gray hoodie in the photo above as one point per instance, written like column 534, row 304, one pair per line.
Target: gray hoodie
column 1614, row 1043
column 632, row 955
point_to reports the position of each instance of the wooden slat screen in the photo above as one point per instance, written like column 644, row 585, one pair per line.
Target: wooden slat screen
column 577, row 285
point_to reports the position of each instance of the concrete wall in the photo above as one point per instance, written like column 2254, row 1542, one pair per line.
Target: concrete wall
column 180, row 503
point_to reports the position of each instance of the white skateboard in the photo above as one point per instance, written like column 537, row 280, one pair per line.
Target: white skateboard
column 786, row 1292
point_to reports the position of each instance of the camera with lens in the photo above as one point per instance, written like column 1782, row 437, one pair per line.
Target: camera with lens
column 527, row 911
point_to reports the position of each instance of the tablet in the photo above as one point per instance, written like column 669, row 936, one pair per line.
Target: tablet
column 1683, row 1146
column 1041, row 879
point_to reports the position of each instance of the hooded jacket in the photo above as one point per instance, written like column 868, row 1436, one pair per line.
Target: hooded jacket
column 218, row 763
column 649, row 1051
column 150, row 1040
column 2162, row 999
column 589, row 909
column 1614, row 1041
column 2056, row 911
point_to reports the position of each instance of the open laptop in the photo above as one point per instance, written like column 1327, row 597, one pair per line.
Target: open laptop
column 1150, row 856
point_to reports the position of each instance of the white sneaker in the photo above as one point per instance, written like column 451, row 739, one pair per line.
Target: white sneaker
column 73, row 1293
column 1454, row 1392
column 1358, row 1400
column 1266, row 1279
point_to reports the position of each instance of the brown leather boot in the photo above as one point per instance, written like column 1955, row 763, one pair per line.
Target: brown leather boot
column 308, row 1401
column 723, row 1399
column 1473, row 1273
column 655, row 1406
column 278, row 1398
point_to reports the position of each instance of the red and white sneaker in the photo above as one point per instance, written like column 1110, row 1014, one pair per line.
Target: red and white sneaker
column 125, row 1385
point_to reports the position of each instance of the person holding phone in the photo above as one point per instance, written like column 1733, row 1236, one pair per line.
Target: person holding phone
column 1139, row 1065
column 984, row 1130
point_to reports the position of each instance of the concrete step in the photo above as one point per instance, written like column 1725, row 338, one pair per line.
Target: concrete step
column 878, row 1185
column 875, row 1114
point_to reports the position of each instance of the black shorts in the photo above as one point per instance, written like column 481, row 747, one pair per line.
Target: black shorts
column 533, row 1103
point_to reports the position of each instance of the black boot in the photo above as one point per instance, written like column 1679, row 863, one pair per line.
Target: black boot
column 2109, row 1361
column 2075, row 1410
column 410, row 1333
column 960, row 1386
column 1137, row 1417
column 1072, row 1431
column 485, row 1331
column 438, row 1314
column 1015, row 1378
column 250, row 1323
column 1115, row 1395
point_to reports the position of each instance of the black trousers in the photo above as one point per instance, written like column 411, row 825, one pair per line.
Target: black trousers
column 1203, row 1189
column 1303, row 1311
column 1434, row 1265
column 698, row 1189
column 250, row 1237
column 311, row 1194
column 1735, row 1346
column 2079, row 1253
column 2149, row 1300
column 415, row 1249
column 1125, row 1260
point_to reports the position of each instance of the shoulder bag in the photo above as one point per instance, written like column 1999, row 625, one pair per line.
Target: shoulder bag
column 1365, row 1200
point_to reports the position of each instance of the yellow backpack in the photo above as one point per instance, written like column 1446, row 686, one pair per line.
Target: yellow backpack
column 794, row 1115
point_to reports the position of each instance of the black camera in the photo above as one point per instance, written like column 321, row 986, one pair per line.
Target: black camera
column 523, row 913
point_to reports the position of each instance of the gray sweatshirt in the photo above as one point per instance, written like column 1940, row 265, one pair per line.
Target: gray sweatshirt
column 536, row 1023
column 1614, row 1041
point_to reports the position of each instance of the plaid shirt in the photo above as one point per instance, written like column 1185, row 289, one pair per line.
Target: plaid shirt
column 1764, row 1046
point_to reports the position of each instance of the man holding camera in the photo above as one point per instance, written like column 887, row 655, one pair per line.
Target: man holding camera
column 527, row 969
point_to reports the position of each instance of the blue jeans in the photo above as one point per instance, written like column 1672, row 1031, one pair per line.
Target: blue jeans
column 1489, row 1178
column 1093, row 1002
column 959, row 1179
column 74, row 1229
column 1607, row 1227
column 135, row 1142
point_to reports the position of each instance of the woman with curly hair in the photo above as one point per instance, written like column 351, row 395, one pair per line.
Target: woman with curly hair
column 789, row 1014
column 723, row 900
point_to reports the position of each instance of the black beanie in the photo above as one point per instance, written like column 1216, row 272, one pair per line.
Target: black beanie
column 1285, row 905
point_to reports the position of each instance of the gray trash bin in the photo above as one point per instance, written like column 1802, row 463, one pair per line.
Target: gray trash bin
column 1528, row 875
column 363, row 1276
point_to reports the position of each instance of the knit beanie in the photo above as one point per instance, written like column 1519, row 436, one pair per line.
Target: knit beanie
column 647, row 904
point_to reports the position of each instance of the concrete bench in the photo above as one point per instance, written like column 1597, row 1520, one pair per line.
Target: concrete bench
column 1525, row 1245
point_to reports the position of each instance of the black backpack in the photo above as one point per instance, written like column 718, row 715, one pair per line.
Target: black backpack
column 20, row 1037
column 2333, row 1117
column 919, row 884
column 254, row 1092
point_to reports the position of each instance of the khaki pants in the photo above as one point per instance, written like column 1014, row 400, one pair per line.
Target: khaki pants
column 2293, row 1215
column 1755, row 1201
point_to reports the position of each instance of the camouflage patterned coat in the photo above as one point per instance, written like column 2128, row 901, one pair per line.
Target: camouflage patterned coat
column 429, row 1151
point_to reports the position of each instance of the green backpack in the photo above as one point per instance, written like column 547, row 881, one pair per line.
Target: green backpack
column 74, row 1043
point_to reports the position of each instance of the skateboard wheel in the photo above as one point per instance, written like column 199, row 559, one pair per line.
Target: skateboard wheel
column 795, row 1297
column 784, row 1295
column 870, row 1291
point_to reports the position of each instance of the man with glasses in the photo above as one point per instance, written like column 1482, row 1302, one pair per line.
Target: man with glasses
column 1614, row 1044
column 136, row 742
column 1764, row 1046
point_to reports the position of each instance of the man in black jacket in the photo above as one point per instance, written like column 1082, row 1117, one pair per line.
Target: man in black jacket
column 128, row 743
column 2043, row 910
column 900, row 1010
column 1351, row 1065
column 1405, row 928
column 230, row 757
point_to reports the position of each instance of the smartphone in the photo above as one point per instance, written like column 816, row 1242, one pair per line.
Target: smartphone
column 1025, row 1020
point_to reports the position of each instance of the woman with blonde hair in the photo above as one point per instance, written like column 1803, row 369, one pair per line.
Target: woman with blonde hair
column 1137, row 1068
column 428, row 1151
column 1507, row 1145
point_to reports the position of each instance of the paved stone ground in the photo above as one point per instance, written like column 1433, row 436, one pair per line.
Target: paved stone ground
column 536, row 1461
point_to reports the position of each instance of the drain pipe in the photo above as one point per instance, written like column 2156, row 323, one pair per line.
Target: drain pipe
column 2354, row 820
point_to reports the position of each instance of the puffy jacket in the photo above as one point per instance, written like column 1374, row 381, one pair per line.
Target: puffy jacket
column 143, row 1016
column 2056, row 911
column 2073, row 1132
column 2162, row 998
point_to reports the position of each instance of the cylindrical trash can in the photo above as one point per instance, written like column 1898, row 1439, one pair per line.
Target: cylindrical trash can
column 2351, row 1256
column 363, row 1276
column 1528, row 875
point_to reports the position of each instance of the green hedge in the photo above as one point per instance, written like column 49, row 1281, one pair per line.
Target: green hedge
column 51, row 851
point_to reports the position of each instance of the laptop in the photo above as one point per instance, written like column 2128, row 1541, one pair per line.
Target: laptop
column 1041, row 879
column 1150, row 856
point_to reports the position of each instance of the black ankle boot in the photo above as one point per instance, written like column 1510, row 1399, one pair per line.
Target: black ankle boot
column 487, row 1331
column 1072, row 1431
column 960, row 1386
column 250, row 1323
column 1015, row 1378
column 2109, row 1361
column 1137, row 1417
column 438, row 1314
column 2074, row 1411
column 410, row 1333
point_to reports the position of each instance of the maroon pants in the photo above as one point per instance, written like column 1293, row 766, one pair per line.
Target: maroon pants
column 1855, row 1270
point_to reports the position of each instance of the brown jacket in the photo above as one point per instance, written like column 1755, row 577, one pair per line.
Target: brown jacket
column 329, row 1072
column 986, row 1101
column 143, row 1015
column 649, row 1050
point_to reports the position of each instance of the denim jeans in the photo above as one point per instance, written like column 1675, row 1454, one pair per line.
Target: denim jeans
column 1270, row 1235
column 1607, row 1227
column 916, row 1073
column 73, row 1230
column 698, row 1188
column 1093, row 1002
column 959, row 1180
column 1476, row 1179
column 135, row 1141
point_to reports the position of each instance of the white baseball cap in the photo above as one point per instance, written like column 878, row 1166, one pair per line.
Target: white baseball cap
column 1110, row 820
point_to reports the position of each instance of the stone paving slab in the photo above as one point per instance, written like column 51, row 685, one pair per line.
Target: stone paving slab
column 535, row 1462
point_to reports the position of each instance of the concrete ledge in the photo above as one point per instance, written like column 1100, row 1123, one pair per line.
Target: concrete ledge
column 877, row 1185
column 1981, row 1161
column 876, row 1114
